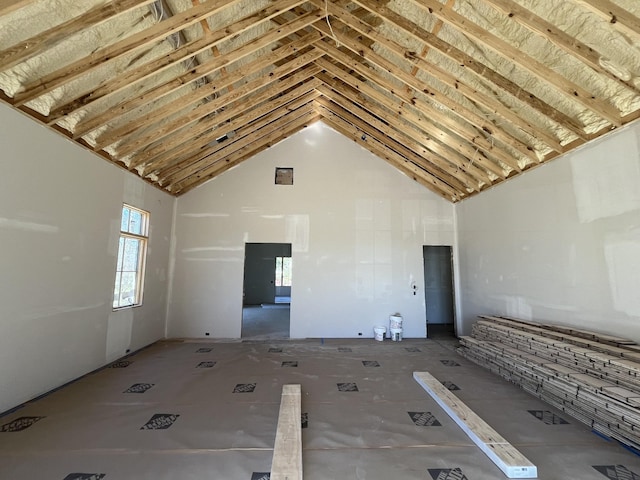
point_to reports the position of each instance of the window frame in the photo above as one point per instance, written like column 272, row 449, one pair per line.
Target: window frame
column 143, row 238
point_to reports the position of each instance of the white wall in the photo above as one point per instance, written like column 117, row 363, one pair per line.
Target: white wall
column 60, row 210
column 356, row 225
column 561, row 243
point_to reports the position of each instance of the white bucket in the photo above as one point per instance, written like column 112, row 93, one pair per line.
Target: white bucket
column 395, row 321
column 379, row 333
column 396, row 334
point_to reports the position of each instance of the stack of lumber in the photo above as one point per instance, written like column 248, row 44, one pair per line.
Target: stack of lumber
column 594, row 378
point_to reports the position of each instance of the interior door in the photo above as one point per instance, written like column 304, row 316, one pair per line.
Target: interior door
column 438, row 280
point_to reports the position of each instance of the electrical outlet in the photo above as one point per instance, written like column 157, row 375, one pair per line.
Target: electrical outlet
column 206, row 333
column 359, row 334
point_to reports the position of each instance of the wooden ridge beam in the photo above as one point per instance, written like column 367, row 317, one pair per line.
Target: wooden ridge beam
column 566, row 42
column 382, row 150
column 421, row 129
column 135, row 42
column 481, row 71
column 241, row 113
column 132, row 76
column 243, row 126
column 93, row 17
column 264, row 138
column 195, row 115
column 475, row 97
column 459, row 110
column 534, row 67
column 408, row 146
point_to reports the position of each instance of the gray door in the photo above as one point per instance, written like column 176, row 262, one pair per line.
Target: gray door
column 438, row 281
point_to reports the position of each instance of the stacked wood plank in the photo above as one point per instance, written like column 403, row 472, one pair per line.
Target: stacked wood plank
column 592, row 377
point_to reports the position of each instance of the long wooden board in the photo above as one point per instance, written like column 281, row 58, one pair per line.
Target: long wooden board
column 287, row 452
column 506, row 457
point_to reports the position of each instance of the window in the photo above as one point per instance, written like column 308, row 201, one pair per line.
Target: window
column 283, row 271
column 132, row 250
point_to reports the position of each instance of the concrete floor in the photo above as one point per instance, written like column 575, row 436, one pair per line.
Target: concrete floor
column 195, row 410
column 269, row 322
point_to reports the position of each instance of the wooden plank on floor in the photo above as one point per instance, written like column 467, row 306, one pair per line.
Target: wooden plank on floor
column 506, row 457
column 287, row 452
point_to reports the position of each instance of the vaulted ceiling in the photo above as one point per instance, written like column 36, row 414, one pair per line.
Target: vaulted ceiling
column 458, row 94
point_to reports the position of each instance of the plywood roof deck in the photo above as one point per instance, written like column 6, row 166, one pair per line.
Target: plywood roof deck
column 460, row 95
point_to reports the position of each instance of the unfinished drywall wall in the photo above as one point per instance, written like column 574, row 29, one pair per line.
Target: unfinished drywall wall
column 60, row 209
column 560, row 244
column 356, row 225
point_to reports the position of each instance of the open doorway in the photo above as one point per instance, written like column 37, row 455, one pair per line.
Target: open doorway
column 438, row 291
column 267, row 291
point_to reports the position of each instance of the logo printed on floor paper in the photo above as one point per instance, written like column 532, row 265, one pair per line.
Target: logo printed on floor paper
column 121, row 364
column 370, row 363
column 413, row 349
column 424, row 419
column 305, row 420
column 447, row 474
column 204, row 350
column 289, row 364
column 261, row 476
column 344, row 349
column 19, row 424
column 616, row 472
column 244, row 388
column 450, row 363
column 139, row 388
column 85, row 476
column 450, row 385
column 206, row 364
column 275, row 350
column 347, row 387
column 548, row 417
column 160, row 421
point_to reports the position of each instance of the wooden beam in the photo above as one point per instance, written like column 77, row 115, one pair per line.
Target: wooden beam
column 179, row 123
column 289, row 130
column 230, row 148
column 380, row 149
column 244, row 126
column 560, row 39
column 8, row 6
column 463, row 113
column 188, row 50
column 287, row 450
column 619, row 18
column 372, row 126
column 135, row 42
column 43, row 41
column 518, row 57
column 273, row 133
column 475, row 97
column 425, row 131
column 236, row 116
column 481, row 71
column 406, row 145
column 506, row 457
column 207, row 68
